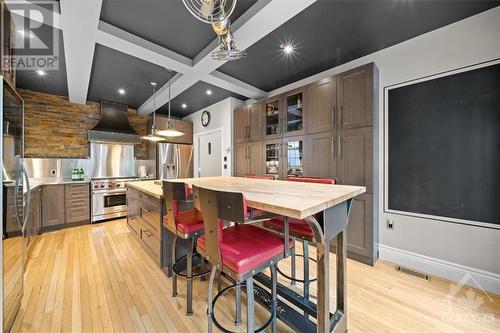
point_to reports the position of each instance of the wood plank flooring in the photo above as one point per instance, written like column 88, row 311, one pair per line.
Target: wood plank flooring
column 97, row 278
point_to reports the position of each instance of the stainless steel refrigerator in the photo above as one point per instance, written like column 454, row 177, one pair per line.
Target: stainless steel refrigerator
column 15, row 196
column 174, row 161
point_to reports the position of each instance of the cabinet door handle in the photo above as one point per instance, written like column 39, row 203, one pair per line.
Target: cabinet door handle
column 333, row 117
column 339, row 122
column 339, row 153
column 333, row 144
column 248, row 132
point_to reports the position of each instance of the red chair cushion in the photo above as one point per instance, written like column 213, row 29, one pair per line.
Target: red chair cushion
column 188, row 221
column 300, row 227
column 312, row 180
column 244, row 247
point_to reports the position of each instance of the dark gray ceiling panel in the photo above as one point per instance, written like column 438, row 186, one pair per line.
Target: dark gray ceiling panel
column 164, row 22
column 113, row 70
column 196, row 98
column 332, row 32
column 55, row 81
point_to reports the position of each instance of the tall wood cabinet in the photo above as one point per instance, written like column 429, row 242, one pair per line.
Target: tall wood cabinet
column 322, row 130
column 249, row 159
column 322, row 100
column 248, row 123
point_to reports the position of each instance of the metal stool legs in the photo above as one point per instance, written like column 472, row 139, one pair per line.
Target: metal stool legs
column 237, row 321
column 174, row 260
column 189, row 273
column 189, row 278
column 250, row 303
column 307, row 281
column 292, row 254
column 210, row 308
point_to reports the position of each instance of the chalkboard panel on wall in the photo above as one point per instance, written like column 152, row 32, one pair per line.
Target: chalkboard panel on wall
column 444, row 146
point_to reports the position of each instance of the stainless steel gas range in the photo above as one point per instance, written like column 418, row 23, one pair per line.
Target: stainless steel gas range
column 109, row 198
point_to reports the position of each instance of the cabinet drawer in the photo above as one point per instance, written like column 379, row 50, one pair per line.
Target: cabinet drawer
column 150, row 203
column 152, row 221
column 152, row 243
column 135, row 224
column 77, row 191
column 77, row 203
column 133, row 193
column 77, row 214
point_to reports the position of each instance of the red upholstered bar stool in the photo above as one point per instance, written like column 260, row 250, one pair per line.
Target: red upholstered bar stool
column 299, row 229
column 240, row 251
column 187, row 225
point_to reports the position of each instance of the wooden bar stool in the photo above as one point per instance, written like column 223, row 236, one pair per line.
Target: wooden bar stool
column 298, row 229
column 240, row 251
column 187, row 225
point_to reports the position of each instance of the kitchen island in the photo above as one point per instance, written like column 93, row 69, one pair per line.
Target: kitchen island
column 146, row 209
column 326, row 209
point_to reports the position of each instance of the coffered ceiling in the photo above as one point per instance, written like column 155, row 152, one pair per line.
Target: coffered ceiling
column 107, row 45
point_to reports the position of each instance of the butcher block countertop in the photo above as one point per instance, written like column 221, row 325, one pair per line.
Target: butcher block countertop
column 293, row 199
column 148, row 187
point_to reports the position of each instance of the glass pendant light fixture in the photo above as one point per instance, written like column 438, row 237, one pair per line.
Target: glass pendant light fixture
column 170, row 131
column 153, row 136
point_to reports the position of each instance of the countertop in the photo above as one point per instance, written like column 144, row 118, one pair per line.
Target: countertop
column 147, row 186
column 36, row 182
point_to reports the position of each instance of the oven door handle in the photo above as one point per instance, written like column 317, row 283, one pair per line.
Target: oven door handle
column 117, row 191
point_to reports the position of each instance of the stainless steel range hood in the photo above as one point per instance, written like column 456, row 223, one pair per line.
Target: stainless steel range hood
column 114, row 126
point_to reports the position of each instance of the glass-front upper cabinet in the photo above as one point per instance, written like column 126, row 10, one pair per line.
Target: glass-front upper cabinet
column 272, row 118
column 273, row 156
column 293, row 157
column 295, row 112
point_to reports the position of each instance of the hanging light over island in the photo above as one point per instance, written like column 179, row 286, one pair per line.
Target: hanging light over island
column 170, row 130
column 153, row 136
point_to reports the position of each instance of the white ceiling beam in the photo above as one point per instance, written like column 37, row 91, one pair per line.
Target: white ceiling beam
column 125, row 42
column 79, row 21
column 230, row 83
column 267, row 16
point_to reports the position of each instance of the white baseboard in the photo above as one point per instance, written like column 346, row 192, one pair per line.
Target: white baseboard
column 445, row 269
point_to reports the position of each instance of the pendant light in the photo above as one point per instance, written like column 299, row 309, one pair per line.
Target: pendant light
column 153, row 136
column 170, row 131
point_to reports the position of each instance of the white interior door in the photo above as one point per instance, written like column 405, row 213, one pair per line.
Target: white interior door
column 210, row 154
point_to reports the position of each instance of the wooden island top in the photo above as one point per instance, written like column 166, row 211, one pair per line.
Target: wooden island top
column 149, row 187
column 293, row 199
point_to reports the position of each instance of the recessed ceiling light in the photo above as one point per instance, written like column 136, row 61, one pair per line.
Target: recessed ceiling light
column 41, row 73
column 184, row 105
column 209, row 92
column 121, row 91
column 287, row 48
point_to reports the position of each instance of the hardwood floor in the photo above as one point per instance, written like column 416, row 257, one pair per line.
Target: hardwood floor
column 98, row 278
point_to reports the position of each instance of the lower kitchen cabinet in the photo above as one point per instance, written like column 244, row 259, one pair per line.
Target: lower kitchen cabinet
column 144, row 218
column 52, row 205
column 77, row 208
column 362, row 235
column 65, row 204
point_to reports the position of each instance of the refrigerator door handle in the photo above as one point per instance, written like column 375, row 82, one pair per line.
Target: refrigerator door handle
column 28, row 198
column 16, row 198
